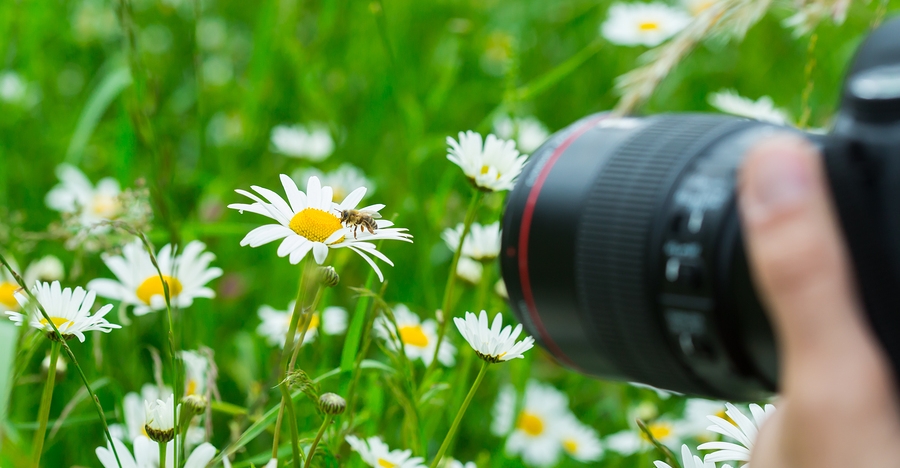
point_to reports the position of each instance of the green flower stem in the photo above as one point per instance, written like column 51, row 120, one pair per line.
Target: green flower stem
column 60, row 339
column 306, row 322
column 162, row 454
column 44, row 411
column 315, row 442
column 286, row 402
column 459, row 415
column 477, row 195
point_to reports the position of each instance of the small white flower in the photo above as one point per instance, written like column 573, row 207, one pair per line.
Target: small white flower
column 48, row 268
column 133, row 411
column 536, row 429
column 492, row 164
column 500, row 289
column 146, row 455
column 159, row 416
column 275, row 323
column 12, row 87
column 186, row 275
column 743, row 430
column 529, row 133
column 419, row 337
column 689, row 460
column 648, row 24
column 482, row 243
column 469, row 270
column 311, row 222
column 343, row 180
column 196, row 372
column 76, row 194
column 313, row 143
column 377, row 454
column 580, row 441
column 68, row 309
column 459, row 464
column 495, row 343
column 763, row 109
column 666, row 431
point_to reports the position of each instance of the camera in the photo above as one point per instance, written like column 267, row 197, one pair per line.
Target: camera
column 622, row 249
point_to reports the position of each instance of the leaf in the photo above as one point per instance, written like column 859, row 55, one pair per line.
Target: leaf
column 111, row 85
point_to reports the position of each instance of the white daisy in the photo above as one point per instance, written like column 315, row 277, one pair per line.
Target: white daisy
column 313, row 143
column 76, row 194
column 689, row 460
column 536, row 428
column 139, row 285
column 311, row 222
column 492, row 164
column 196, row 372
column 159, row 417
column 528, row 132
column 580, row 441
column 666, row 431
column 494, row 344
column 419, row 337
column 459, row 464
column 146, row 455
column 48, row 268
column 343, row 180
column 469, row 270
column 377, row 454
column 648, row 24
column 275, row 323
column 763, row 109
column 742, row 429
column 482, row 243
column 8, row 288
column 68, row 309
column 133, row 411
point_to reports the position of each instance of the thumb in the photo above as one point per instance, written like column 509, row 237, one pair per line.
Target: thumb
column 801, row 267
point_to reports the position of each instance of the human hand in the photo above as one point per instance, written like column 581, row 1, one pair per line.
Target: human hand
column 838, row 404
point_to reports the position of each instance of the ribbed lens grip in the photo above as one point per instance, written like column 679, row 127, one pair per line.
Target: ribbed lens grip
column 613, row 245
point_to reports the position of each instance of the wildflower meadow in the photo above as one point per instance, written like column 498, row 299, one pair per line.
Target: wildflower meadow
column 266, row 233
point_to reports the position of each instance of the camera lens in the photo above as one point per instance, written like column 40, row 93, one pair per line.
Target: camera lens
column 622, row 254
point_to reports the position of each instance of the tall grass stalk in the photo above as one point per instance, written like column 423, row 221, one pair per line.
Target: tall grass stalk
column 60, row 339
column 459, row 415
column 44, row 411
column 447, row 302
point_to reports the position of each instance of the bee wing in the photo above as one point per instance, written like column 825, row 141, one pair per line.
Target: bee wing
column 373, row 214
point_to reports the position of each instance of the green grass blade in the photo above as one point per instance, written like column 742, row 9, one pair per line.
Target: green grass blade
column 107, row 90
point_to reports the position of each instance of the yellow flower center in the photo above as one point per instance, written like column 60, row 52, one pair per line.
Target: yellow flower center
column 386, row 464
column 191, row 387
column 485, row 169
column 58, row 321
column 413, row 335
column 6, row 295
column 105, row 206
column 313, row 323
column 315, row 225
column 152, row 286
column 570, row 445
column 659, row 430
column 648, row 26
column 530, row 424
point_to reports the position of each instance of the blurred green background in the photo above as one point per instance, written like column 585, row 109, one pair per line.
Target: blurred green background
column 184, row 96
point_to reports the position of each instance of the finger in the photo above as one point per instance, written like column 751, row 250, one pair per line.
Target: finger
column 801, row 266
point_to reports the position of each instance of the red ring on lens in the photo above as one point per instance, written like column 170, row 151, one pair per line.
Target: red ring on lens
column 525, row 231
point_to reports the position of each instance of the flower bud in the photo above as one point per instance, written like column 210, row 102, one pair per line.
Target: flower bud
column 332, row 403
column 194, row 404
column 328, row 277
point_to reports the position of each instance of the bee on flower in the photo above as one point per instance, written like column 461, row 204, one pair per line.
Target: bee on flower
column 491, row 164
column 138, row 282
column 68, row 309
column 647, row 24
column 419, row 337
column 375, row 453
column 275, row 323
column 310, row 222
